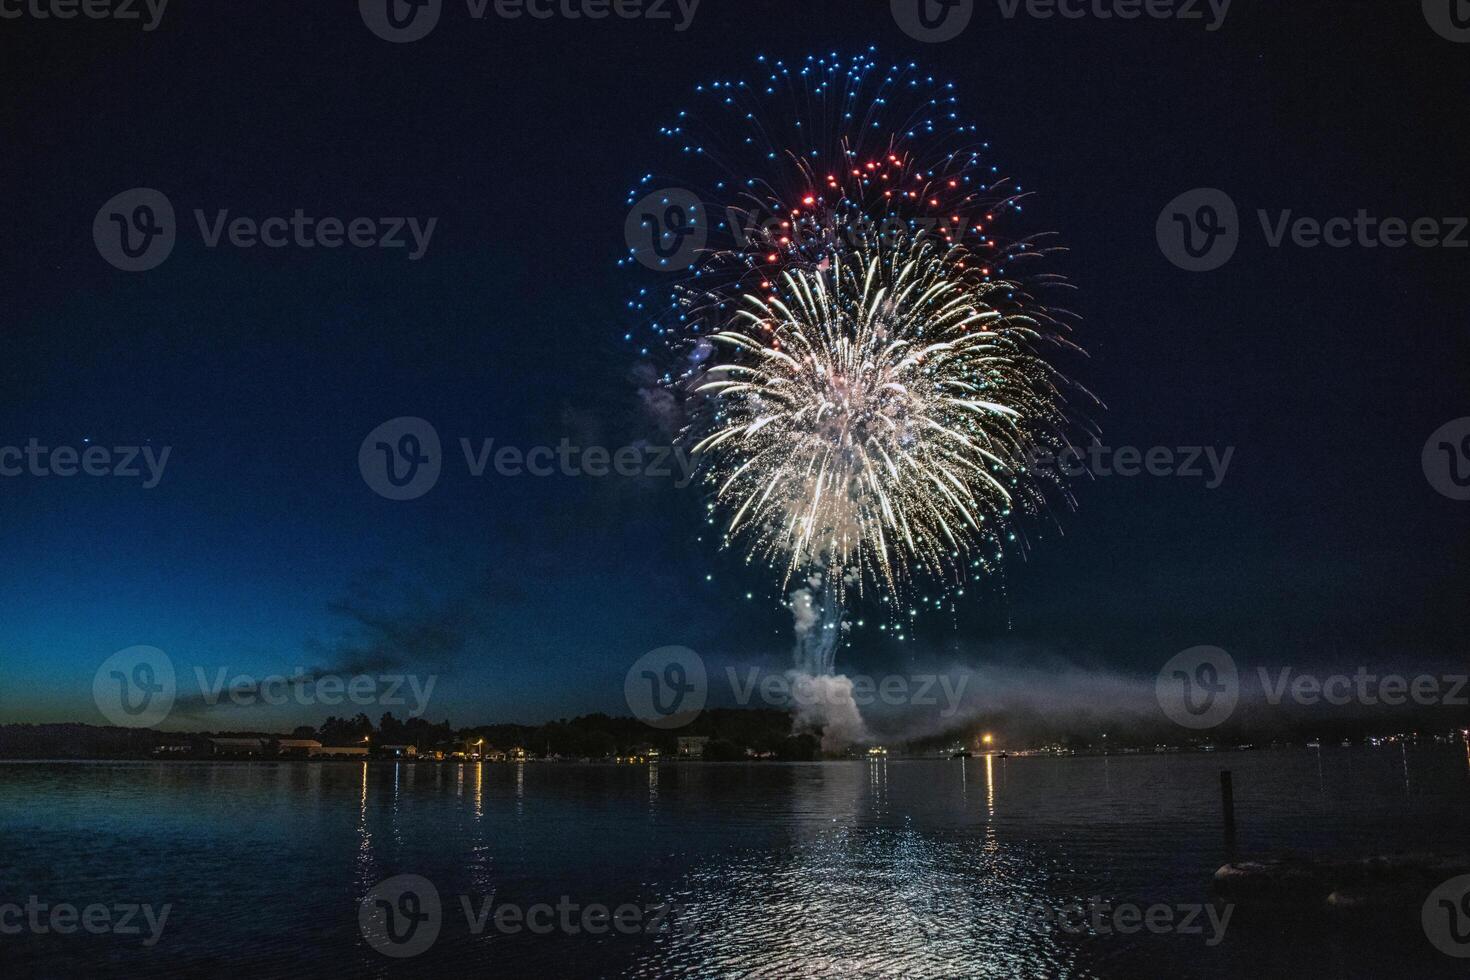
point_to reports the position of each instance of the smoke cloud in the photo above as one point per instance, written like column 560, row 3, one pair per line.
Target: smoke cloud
column 823, row 698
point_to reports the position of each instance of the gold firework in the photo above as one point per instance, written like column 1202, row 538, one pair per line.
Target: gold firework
column 875, row 415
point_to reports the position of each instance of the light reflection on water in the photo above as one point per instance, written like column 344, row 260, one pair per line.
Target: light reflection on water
column 867, row 893
column 872, row 868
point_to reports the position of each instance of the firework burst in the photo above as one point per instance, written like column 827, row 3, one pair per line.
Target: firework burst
column 860, row 365
column 873, row 417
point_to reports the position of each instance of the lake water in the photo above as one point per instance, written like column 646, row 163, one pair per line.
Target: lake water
column 962, row 868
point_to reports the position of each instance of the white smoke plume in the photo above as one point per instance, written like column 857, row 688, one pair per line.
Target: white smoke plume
column 827, row 703
column 823, row 699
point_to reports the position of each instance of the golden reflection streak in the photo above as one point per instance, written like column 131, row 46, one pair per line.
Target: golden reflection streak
column 520, row 788
column 364, row 836
column 479, row 798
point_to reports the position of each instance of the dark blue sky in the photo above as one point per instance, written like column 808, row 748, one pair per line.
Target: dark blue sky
column 263, row 370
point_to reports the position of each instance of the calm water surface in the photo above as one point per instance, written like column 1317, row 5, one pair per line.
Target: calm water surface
column 891, row 869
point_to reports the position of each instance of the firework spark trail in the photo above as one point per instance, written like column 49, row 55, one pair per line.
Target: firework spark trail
column 864, row 373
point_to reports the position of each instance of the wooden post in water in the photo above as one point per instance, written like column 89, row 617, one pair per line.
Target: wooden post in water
column 1227, row 805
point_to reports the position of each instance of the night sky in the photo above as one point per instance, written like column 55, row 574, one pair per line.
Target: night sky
column 263, row 550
